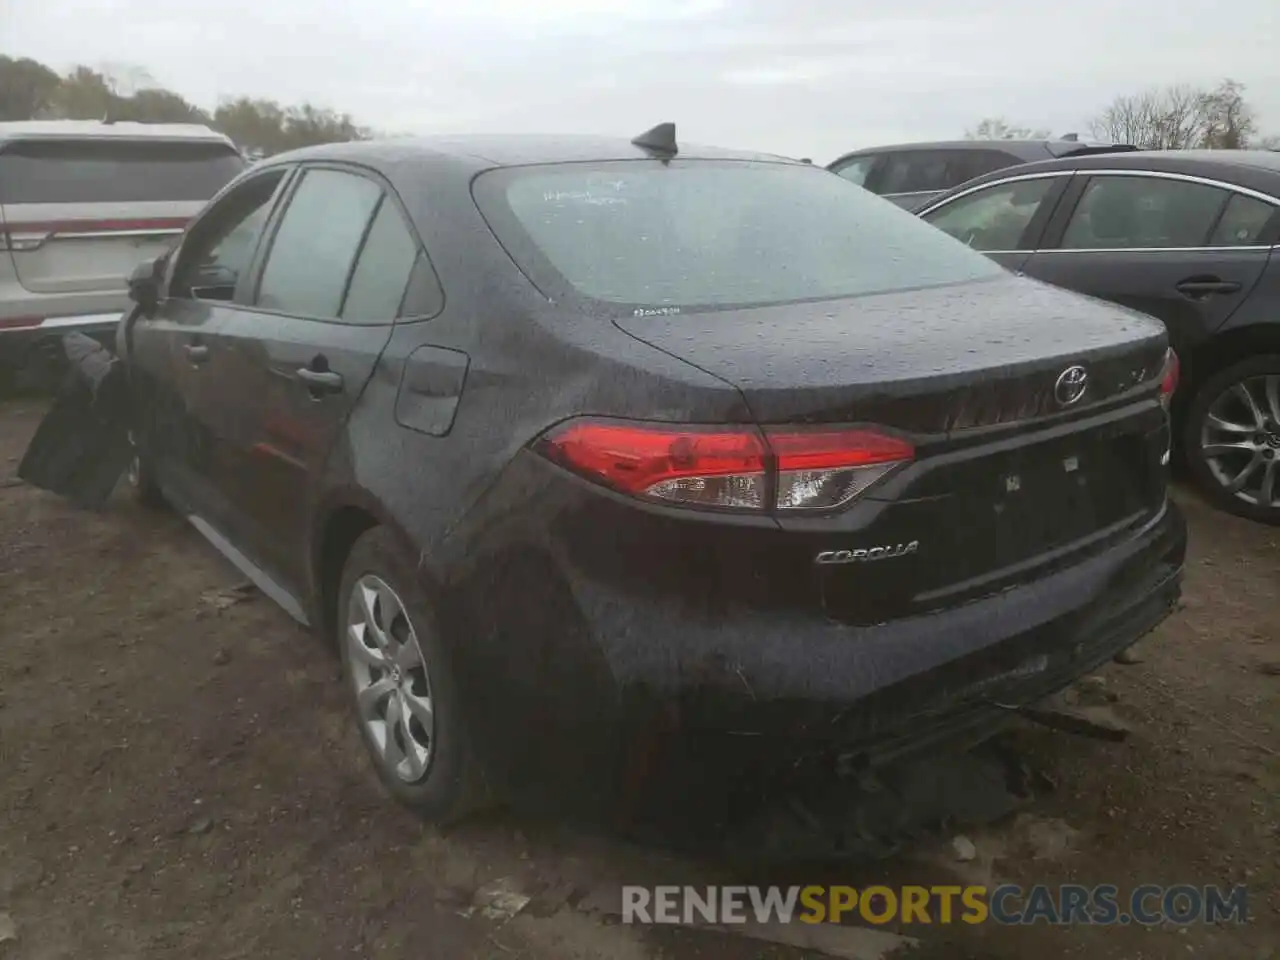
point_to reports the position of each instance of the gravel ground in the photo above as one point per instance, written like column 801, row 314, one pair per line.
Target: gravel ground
column 178, row 777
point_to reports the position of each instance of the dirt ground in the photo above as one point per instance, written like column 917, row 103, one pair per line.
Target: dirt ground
column 178, row 777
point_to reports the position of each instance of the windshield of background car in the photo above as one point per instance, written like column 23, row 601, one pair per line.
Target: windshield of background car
column 706, row 234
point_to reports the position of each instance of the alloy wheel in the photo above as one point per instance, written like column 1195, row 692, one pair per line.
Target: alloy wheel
column 392, row 687
column 1240, row 440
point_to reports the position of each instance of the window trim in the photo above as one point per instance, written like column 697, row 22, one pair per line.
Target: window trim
column 388, row 192
column 1037, row 226
column 1086, row 174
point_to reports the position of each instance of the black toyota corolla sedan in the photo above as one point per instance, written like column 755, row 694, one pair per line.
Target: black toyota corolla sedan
column 568, row 443
column 1188, row 236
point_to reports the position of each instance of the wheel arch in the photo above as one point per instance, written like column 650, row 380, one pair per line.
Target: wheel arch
column 1219, row 352
column 340, row 522
column 1228, row 347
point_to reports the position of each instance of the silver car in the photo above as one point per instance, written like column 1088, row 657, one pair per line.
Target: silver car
column 81, row 204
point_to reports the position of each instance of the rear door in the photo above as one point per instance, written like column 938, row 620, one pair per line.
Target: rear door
column 170, row 353
column 80, row 214
column 296, row 357
column 1005, row 219
column 1179, row 248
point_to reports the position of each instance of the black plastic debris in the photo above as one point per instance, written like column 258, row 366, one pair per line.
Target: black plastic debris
column 82, row 445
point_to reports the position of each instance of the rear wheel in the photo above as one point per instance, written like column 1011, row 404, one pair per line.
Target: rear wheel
column 1231, row 438
column 397, row 671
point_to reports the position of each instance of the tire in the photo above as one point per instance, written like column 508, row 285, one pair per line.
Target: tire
column 142, row 483
column 1256, row 450
column 447, row 785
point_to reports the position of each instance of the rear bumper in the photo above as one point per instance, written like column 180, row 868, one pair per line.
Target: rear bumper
column 574, row 661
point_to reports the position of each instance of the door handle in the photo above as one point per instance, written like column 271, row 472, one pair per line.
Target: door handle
column 196, row 353
column 1199, row 287
column 320, row 381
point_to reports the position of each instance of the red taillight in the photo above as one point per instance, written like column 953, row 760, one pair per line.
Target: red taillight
column 731, row 468
column 720, row 467
column 1169, row 377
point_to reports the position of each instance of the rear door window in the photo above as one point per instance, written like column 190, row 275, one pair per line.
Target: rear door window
column 915, row 171
column 315, row 245
column 115, row 171
column 1134, row 213
column 993, row 218
column 1244, row 222
column 382, row 271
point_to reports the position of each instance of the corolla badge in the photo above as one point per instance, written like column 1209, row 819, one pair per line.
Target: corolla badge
column 1070, row 385
column 867, row 554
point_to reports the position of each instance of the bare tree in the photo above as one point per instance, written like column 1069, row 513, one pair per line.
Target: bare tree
column 1270, row 143
column 1163, row 119
column 997, row 128
column 1180, row 118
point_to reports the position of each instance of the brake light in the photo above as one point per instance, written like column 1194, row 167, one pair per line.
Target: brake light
column 733, row 468
column 1169, row 377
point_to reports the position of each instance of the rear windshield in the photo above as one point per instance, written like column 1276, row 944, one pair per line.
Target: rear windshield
column 100, row 171
column 704, row 234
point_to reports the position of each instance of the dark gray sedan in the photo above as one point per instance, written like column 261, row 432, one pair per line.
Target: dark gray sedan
column 912, row 174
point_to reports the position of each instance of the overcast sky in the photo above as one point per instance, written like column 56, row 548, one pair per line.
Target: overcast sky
column 802, row 77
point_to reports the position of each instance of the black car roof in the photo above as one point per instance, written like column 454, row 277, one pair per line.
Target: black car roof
column 481, row 152
column 1254, row 169
column 1025, row 150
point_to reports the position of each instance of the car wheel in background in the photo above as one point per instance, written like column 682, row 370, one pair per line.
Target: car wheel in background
column 1231, row 438
column 396, row 668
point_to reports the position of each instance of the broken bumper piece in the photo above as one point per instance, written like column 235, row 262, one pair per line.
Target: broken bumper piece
column 82, row 445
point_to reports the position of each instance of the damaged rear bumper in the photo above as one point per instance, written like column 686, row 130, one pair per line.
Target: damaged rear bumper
column 725, row 697
column 1023, row 646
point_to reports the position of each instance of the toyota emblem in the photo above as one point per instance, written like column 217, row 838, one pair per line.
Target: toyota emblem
column 1071, row 385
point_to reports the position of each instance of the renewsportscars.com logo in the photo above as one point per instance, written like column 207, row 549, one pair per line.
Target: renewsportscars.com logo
column 1008, row 904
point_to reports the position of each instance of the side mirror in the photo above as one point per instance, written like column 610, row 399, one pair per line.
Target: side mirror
column 144, row 284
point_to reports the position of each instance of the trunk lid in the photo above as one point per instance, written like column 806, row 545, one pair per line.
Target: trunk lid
column 1007, row 482
column 924, row 361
